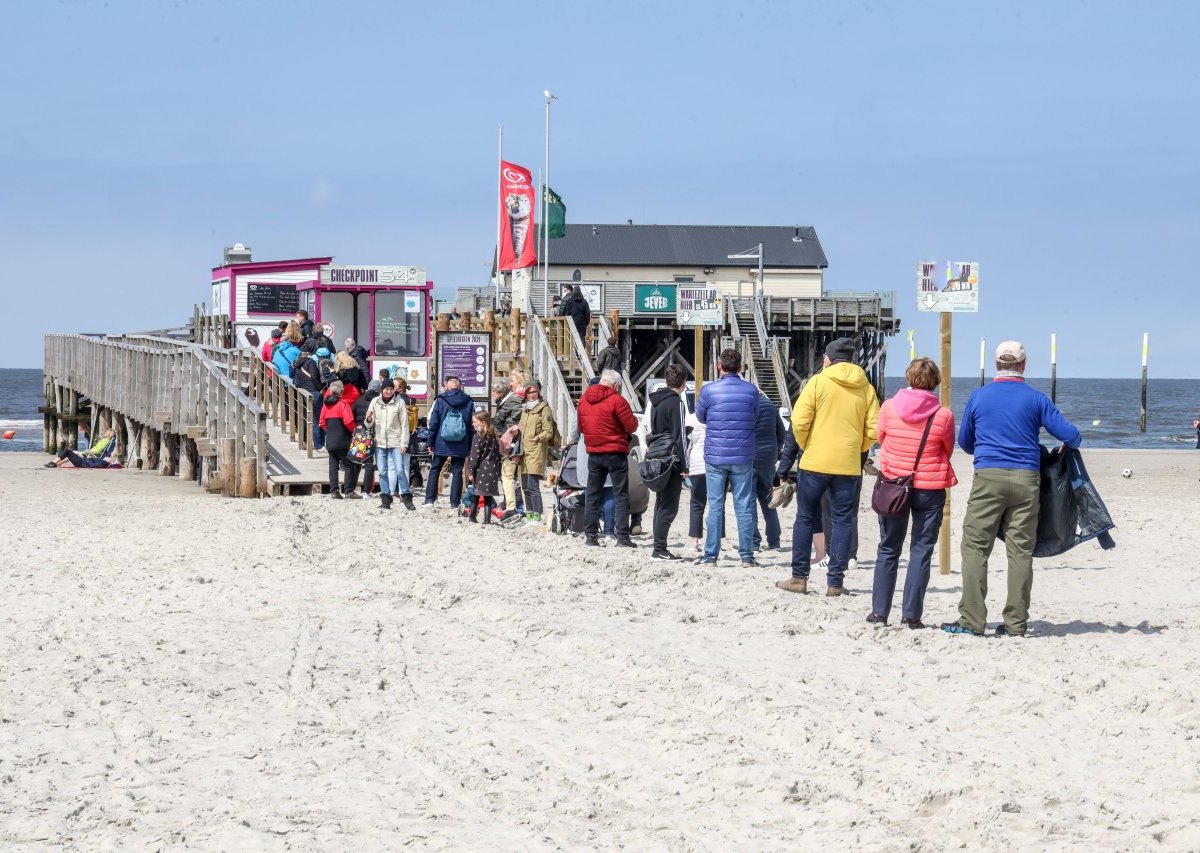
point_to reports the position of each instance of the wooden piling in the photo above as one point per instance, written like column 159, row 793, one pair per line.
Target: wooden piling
column 227, row 465
column 166, row 454
column 248, row 477
column 187, row 459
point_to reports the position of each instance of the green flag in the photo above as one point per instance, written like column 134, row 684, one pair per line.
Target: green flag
column 556, row 214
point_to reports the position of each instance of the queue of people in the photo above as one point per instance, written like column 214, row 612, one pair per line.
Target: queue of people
column 735, row 444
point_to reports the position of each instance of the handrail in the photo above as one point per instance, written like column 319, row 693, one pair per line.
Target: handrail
column 545, row 366
column 158, row 385
column 771, row 351
column 626, row 386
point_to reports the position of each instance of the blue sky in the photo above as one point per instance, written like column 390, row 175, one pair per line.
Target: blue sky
column 1055, row 143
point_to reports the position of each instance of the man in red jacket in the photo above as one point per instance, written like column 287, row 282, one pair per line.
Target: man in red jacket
column 606, row 422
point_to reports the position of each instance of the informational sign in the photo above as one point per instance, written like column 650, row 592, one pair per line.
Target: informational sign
column 352, row 275
column 467, row 355
column 413, row 371
column 698, row 306
column 591, row 292
column 412, row 303
column 654, row 299
column 220, row 296
column 272, row 298
column 959, row 294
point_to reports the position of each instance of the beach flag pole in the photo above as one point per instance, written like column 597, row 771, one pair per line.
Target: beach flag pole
column 912, row 347
column 1053, row 367
column 982, row 362
column 944, row 535
column 1145, row 359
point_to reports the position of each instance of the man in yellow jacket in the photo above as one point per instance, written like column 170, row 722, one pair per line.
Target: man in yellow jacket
column 834, row 423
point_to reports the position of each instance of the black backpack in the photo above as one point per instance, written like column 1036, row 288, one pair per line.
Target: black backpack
column 325, row 365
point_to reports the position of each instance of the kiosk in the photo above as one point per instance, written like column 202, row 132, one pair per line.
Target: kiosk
column 386, row 309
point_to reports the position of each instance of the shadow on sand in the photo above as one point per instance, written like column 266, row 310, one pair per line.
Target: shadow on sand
column 1049, row 629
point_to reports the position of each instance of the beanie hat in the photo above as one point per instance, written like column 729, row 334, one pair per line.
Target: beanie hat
column 841, row 349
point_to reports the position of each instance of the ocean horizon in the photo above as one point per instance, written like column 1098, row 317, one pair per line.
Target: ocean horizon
column 1105, row 410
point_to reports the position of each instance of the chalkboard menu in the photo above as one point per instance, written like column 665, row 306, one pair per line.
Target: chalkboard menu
column 272, row 299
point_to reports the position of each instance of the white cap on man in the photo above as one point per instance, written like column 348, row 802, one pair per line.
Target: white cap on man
column 1013, row 351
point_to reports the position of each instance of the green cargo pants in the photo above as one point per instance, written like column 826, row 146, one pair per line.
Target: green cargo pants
column 1008, row 497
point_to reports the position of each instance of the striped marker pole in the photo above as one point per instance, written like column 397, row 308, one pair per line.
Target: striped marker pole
column 1145, row 360
column 1053, row 367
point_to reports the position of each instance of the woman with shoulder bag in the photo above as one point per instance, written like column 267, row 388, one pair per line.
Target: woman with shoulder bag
column 537, row 433
column 916, row 439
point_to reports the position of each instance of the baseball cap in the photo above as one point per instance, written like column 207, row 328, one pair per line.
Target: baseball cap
column 1010, row 351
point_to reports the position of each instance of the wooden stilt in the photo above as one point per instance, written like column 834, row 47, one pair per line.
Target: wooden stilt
column 187, row 459
column 227, row 466
column 166, row 454
column 248, row 478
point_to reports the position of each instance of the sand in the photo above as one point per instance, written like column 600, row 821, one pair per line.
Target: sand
column 189, row 672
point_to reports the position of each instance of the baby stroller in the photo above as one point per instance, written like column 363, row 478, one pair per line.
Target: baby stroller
column 568, row 495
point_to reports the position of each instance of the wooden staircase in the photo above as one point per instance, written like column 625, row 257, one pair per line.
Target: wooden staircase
column 762, row 369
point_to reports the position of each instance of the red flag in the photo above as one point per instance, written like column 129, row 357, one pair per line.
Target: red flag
column 518, row 245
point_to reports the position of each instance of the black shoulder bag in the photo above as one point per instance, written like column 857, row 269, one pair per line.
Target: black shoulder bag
column 893, row 495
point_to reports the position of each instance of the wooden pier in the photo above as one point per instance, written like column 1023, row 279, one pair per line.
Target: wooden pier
column 218, row 416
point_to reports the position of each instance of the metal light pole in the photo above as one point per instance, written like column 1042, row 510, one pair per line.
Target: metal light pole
column 751, row 253
column 546, row 212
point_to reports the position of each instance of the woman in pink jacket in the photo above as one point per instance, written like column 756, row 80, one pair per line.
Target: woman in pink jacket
column 902, row 422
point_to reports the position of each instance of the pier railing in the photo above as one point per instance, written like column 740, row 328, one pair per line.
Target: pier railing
column 177, row 392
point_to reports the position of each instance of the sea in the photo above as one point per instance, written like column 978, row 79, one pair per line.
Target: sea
column 1105, row 410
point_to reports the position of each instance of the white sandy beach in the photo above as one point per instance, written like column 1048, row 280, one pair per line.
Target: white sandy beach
column 183, row 671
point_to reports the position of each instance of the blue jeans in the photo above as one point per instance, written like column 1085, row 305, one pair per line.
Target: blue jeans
column 318, row 433
column 741, row 481
column 608, row 509
column 809, row 488
column 456, row 479
column 764, row 481
column 392, row 468
column 926, row 512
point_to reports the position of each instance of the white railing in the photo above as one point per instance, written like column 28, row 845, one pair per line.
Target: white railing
column 626, row 386
column 545, row 367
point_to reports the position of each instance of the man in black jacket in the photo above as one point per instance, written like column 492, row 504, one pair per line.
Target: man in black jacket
column 667, row 438
column 307, row 377
column 576, row 307
column 609, row 358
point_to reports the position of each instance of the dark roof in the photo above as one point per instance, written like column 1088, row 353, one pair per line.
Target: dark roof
column 687, row 246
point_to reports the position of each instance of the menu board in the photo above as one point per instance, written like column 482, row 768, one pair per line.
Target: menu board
column 467, row 355
column 272, row 299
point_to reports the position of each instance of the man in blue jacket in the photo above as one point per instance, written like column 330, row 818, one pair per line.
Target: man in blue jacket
column 728, row 408
column 769, row 435
column 1000, row 428
column 451, row 429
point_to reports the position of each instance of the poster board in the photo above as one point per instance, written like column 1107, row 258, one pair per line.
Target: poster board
column 467, row 355
column 698, row 306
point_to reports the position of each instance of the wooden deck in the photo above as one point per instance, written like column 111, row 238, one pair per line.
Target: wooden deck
column 289, row 466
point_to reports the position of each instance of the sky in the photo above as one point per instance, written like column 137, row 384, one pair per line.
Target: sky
column 1054, row 143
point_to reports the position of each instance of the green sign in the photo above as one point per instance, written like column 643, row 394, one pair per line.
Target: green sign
column 654, row 299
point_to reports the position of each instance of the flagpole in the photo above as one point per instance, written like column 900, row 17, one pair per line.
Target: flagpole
column 499, row 201
column 546, row 213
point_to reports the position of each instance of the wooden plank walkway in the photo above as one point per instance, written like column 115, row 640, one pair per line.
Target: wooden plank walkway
column 288, row 464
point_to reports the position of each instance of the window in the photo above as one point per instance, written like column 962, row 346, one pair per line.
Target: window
column 401, row 328
column 684, row 278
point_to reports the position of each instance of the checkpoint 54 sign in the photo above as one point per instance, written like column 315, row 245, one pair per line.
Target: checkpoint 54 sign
column 654, row 299
column 960, row 293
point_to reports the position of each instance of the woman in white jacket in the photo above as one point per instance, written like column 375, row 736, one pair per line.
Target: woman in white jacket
column 695, row 463
column 389, row 417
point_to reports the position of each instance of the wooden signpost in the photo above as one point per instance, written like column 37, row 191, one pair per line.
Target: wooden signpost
column 960, row 293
